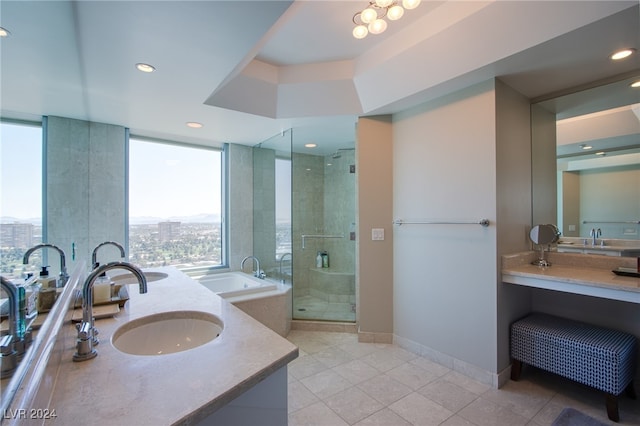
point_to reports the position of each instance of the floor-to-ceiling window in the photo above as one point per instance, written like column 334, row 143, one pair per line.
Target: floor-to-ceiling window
column 175, row 205
column 20, row 196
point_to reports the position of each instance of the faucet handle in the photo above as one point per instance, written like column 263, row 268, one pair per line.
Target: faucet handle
column 6, row 344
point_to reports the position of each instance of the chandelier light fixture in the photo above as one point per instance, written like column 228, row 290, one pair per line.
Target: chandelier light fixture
column 372, row 19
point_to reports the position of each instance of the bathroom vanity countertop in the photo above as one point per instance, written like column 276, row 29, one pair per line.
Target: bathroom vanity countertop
column 574, row 273
column 116, row 388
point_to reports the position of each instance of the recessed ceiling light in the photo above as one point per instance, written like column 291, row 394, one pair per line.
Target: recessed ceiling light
column 145, row 67
column 635, row 84
column 585, row 146
column 621, row 54
column 310, row 145
column 4, row 32
column 194, row 124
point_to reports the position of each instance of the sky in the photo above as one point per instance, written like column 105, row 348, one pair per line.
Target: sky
column 20, row 171
column 165, row 180
column 169, row 180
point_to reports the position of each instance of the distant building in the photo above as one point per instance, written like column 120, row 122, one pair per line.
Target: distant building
column 168, row 231
column 18, row 235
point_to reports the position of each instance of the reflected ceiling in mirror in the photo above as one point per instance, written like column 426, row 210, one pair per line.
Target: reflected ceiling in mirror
column 598, row 158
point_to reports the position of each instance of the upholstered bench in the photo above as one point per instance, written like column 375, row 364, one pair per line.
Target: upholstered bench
column 595, row 356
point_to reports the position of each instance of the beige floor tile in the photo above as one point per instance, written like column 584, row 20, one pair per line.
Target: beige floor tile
column 383, row 360
column 433, row 367
column 332, row 356
column 466, row 382
column 338, row 380
column 456, row 420
column 522, row 397
column 385, row 389
column 317, row 414
column 299, row 396
column 357, row 349
column 384, row 417
column 447, row 394
column 356, row 371
column 418, row 410
column 326, row 383
column 411, row 375
column 353, row 405
column 483, row 412
column 305, row 366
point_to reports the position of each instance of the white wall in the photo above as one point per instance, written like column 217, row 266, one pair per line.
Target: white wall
column 464, row 157
column 445, row 276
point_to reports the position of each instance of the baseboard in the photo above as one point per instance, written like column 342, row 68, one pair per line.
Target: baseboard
column 339, row 327
column 491, row 379
column 370, row 337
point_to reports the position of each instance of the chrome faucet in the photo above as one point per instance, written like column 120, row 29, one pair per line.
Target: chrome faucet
column 258, row 273
column 282, row 280
column 595, row 233
column 94, row 255
column 86, row 330
column 64, row 277
column 8, row 353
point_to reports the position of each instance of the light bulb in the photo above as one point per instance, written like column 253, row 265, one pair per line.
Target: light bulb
column 621, row 54
column 360, row 32
column 395, row 12
column 368, row 15
column 410, row 4
column 378, row 26
column 383, row 3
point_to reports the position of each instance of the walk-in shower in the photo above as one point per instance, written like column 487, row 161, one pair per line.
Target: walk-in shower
column 304, row 225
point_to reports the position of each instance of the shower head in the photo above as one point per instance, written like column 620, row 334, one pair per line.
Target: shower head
column 337, row 153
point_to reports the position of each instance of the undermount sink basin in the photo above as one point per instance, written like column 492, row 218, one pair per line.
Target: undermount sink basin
column 128, row 278
column 167, row 332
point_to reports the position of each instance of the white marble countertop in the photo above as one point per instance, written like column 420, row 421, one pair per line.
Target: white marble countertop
column 116, row 388
column 574, row 273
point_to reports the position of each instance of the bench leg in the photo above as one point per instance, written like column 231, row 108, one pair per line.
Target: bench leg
column 612, row 408
column 630, row 390
column 516, row 369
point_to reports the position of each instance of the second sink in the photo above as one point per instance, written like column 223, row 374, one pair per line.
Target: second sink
column 167, row 332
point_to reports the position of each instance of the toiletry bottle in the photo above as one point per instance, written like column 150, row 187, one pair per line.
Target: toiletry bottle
column 325, row 259
column 319, row 260
column 31, row 289
column 21, row 323
column 102, row 289
column 45, row 280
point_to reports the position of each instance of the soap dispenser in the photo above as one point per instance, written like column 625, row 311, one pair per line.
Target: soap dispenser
column 102, row 289
column 45, row 280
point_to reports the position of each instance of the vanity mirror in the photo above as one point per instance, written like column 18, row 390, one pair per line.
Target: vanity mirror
column 589, row 141
column 543, row 235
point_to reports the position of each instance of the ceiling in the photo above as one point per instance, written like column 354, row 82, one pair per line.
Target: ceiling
column 248, row 70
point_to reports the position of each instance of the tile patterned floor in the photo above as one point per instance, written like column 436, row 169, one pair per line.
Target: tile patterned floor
column 338, row 381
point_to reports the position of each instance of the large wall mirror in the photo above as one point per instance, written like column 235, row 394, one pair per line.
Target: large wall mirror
column 597, row 160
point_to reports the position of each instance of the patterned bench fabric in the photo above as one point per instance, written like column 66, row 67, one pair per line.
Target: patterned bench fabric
column 591, row 355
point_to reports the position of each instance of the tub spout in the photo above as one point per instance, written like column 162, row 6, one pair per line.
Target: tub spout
column 258, row 273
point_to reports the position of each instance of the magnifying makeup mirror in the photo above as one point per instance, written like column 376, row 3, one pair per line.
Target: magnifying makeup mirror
column 543, row 235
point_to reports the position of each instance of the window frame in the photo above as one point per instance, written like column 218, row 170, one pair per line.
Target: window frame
column 224, row 199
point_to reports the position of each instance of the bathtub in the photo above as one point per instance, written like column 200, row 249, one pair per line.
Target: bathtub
column 266, row 301
column 236, row 284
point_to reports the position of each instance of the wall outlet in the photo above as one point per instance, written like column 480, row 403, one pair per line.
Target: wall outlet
column 572, row 228
column 377, row 234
